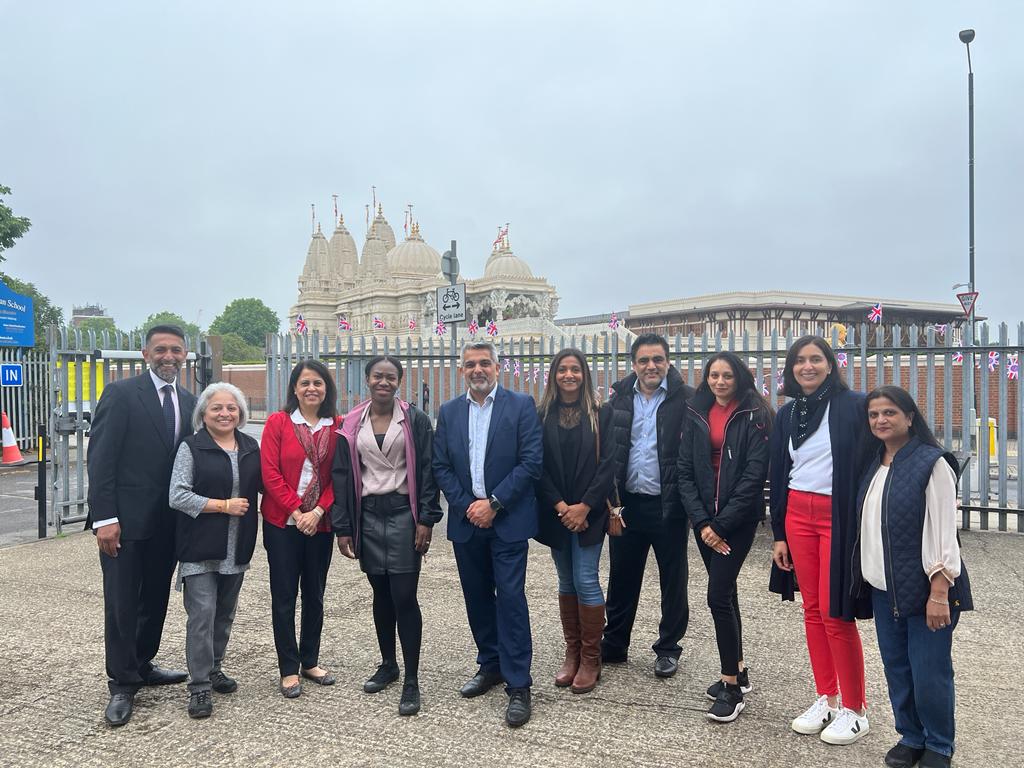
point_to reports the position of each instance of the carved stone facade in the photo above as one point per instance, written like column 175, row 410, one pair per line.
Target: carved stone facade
column 395, row 284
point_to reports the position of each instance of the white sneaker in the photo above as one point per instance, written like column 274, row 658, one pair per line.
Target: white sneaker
column 846, row 728
column 817, row 716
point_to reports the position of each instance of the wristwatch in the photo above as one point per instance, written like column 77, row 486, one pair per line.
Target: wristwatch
column 496, row 505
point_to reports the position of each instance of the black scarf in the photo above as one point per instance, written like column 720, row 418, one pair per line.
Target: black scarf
column 808, row 411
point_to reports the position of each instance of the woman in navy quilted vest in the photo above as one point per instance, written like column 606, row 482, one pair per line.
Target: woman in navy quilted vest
column 908, row 558
column 815, row 448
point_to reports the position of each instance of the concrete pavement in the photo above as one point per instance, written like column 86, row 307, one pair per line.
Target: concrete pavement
column 52, row 690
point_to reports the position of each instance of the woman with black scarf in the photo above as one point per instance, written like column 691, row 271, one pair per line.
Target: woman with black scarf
column 815, row 446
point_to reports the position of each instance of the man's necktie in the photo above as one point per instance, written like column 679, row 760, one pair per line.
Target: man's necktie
column 169, row 411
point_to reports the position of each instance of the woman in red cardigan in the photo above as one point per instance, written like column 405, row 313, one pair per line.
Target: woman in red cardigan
column 297, row 448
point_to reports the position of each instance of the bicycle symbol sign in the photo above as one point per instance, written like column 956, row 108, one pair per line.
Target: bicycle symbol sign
column 451, row 303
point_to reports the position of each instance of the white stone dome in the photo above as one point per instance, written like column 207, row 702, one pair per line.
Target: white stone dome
column 317, row 257
column 375, row 257
column 343, row 254
column 414, row 256
column 381, row 229
column 504, row 263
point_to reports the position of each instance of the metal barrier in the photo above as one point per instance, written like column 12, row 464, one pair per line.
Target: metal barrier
column 79, row 366
column 922, row 360
column 26, row 406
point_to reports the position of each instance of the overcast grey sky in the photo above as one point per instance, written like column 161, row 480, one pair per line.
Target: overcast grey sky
column 168, row 153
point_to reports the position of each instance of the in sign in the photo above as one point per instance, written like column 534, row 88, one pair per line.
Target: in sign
column 11, row 375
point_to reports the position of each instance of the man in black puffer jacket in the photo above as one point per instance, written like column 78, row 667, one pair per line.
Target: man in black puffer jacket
column 649, row 407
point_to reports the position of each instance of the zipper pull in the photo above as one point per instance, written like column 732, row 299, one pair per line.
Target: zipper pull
column 730, row 453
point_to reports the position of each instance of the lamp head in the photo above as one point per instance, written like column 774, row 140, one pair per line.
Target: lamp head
column 967, row 36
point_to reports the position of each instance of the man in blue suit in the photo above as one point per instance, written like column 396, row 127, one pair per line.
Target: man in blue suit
column 488, row 453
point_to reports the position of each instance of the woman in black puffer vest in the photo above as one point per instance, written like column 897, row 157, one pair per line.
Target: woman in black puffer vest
column 907, row 556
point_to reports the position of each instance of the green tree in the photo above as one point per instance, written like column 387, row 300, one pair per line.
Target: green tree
column 98, row 324
column 249, row 318
column 45, row 313
column 236, row 350
column 169, row 318
column 11, row 227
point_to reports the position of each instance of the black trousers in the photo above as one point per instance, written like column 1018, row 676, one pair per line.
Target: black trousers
column 136, row 587
column 645, row 530
column 297, row 560
column 723, row 599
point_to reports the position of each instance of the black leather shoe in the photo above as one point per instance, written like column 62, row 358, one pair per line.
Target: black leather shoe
column 934, row 760
column 385, row 675
column 518, row 712
column 665, row 666
column 325, row 679
column 480, row 683
column 200, row 704
column 611, row 655
column 222, row 683
column 292, row 691
column 160, row 676
column 410, row 703
column 902, row 756
column 119, row 708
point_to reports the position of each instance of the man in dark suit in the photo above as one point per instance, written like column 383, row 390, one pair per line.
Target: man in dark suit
column 135, row 433
column 488, row 452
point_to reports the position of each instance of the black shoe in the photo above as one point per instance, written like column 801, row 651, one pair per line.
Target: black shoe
column 728, row 704
column 410, row 702
column 742, row 679
column 222, row 683
column 902, row 756
column 160, row 676
column 325, row 679
column 610, row 655
column 934, row 760
column 665, row 666
column 119, row 708
column 200, row 704
column 518, row 712
column 481, row 683
column 385, row 675
column 293, row 691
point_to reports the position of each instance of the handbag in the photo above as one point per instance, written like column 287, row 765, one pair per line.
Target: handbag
column 616, row 523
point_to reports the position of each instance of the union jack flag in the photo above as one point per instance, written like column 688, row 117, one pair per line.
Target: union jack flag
column 505, row 365
column 1012, row 371
column 958, row 356
column 842, row 359
column 536, row 373
column 473, row 328
column 613, row 323
column 502, row 234
column 344, row 325
column 941, row 329
column 875, row 313
column 492, row 328
column 412, row 324
column 780, row 380
column 378, row 322
column 440, row 329
column 300, row 324
column 545, row 378
column 993, row 360
column 515, row 369
column 764, row 386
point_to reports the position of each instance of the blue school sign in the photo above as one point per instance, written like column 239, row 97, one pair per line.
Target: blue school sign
column 17, row 321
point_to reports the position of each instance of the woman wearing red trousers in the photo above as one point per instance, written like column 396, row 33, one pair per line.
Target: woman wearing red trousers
column 815, row 446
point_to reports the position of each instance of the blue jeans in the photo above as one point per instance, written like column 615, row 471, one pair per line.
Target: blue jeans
column 919, row 671
column 577, row 571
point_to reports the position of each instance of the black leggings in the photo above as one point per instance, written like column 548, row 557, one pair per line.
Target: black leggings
column 394, row 602
column 723, row 600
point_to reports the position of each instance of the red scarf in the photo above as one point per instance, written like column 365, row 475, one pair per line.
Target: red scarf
column 315, row 445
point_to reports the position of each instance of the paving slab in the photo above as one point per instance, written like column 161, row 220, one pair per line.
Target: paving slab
column 53, row 690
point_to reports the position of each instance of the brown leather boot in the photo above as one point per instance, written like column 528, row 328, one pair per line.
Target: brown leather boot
column 569, row 610
column 591, row 630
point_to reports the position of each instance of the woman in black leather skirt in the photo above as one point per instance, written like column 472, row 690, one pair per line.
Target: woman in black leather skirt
column 385, row 506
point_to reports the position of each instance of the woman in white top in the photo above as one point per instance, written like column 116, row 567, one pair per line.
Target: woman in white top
column 815, row 448
column 908, row 558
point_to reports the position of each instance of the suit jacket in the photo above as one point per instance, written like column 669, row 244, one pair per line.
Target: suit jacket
column 512, row 464
column 130, row 458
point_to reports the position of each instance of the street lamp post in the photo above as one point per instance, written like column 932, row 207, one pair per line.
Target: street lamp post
column 967, row 37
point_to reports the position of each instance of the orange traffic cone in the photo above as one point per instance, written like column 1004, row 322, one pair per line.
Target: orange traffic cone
column 12, row 455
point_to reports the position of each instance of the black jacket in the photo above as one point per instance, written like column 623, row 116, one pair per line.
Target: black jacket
column 205, row 537
column 593, row 477
column 742, row 472
column 903, row 512
column 670, row 424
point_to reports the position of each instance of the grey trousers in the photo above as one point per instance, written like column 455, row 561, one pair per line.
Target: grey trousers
column 210, row 602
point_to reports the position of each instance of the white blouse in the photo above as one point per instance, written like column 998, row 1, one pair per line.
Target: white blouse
column 812, row 461
column 939, row 549
column 306, row 475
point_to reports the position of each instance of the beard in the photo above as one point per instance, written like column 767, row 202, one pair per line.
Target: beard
column 166, row 373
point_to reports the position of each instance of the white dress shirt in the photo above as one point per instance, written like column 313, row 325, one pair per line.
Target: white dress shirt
column 479, row 424
column 306, row 476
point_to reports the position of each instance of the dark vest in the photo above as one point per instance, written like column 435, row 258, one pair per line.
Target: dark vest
column 205, row 537
column 903, row 510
